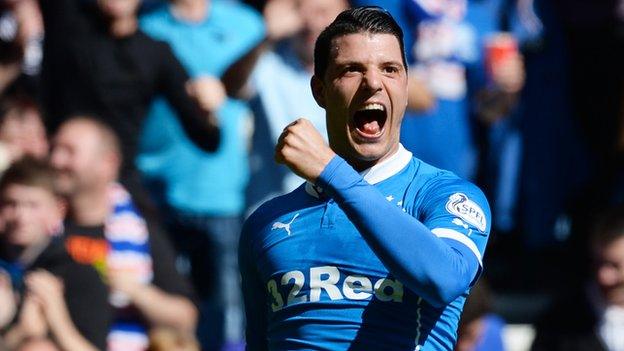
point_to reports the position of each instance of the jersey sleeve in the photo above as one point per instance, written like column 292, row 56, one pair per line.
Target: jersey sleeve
column 437, row 269
column 457, row 211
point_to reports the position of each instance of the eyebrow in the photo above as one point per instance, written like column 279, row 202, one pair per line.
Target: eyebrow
column 358, row 63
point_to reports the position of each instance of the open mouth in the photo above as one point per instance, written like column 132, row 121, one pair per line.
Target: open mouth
column 370, row 120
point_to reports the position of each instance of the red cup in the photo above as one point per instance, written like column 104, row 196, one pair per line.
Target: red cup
column 498, row 48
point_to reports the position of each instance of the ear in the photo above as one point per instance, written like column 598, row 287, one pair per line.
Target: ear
column 111, row 162
column 318, row 90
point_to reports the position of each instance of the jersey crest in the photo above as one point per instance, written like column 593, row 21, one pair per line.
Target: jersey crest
column 468, row 210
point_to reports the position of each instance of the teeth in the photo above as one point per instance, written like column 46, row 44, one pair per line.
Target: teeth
column 373, row 106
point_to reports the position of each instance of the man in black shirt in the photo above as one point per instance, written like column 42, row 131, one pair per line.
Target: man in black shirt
column 105, row 228
column 97, row 61
column 55, row 296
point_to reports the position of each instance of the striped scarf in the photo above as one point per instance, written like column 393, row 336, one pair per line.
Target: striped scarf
column 127, row 234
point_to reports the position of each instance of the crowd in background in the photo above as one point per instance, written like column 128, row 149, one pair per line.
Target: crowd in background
column 135, row 136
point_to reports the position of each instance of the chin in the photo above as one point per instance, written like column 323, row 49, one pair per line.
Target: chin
column 19, row 240
column 372, row 151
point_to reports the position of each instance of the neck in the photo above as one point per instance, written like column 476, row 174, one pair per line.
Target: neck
column 360, row 166
column 89, row 208
column 123, row 27
column 191, row 10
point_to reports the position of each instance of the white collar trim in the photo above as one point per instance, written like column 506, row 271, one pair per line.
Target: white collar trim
column 378, row 173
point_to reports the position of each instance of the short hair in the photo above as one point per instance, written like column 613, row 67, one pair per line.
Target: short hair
column 29, row 172
column 15, row 101
column 367, row 19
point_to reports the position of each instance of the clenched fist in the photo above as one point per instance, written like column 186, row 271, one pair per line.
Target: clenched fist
column 302, row 148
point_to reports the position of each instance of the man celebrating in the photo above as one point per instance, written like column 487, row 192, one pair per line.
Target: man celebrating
column 377, row 260
column 105, row 228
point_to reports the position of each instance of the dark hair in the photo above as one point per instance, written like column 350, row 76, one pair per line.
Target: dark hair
column 29, row 172
column 368, row 19
column 16, row 101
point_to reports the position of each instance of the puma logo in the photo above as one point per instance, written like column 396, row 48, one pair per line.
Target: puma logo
column 286, row 226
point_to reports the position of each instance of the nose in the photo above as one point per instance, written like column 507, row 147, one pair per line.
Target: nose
column 372, row 81
column 22, row 213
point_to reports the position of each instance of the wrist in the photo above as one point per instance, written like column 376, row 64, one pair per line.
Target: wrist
column 328, row 173
column 137, row 291
column 323, row 164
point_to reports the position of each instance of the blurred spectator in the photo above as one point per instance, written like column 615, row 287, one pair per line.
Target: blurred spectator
column 164, row 339
column 479, row 328
column 105, row 228
column 594, row 38
column 447, row 55
column 22, row 132
column 205, row 215
column 97, row 61
column 287, row 53
column 52, row 295
column 21, row 41
column 592, row 316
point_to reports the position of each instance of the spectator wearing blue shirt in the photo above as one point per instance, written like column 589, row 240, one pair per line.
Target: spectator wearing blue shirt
column 204, row 193
column 378, row 249
column 288, row 53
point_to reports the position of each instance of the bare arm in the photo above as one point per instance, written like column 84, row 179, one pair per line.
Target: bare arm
column 282, row 20
column 236, row 76
column 8, row 300
column 161, row 308
column 157, row 306
column 30, row 323
column 498, row 100
column 48, row 292
column 419, row 97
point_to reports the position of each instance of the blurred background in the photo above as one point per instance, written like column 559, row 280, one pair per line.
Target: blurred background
column 523, row 97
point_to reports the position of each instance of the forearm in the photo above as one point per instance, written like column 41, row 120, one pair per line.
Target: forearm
column 493, row 104
column 419, row 97
column 237, row 75
column 426, row 264
column 68, row 338
column 14, row 337
column 163, row 309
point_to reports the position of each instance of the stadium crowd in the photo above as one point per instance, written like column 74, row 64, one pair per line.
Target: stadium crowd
column 137, row 135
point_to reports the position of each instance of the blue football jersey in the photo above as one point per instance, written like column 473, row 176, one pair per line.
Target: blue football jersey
column 315, row 275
